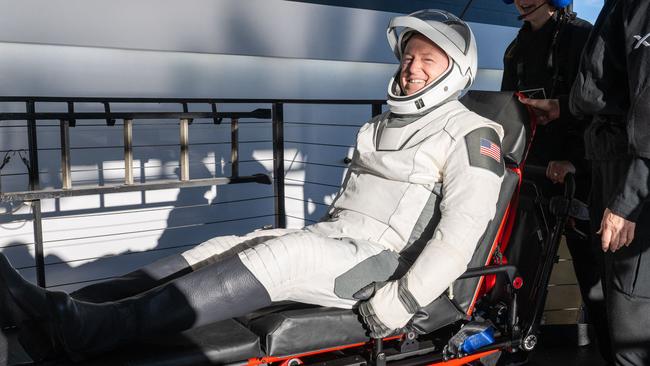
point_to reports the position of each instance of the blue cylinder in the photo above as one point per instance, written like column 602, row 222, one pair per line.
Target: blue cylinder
column 478, row 340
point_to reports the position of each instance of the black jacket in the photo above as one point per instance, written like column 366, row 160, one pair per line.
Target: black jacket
column 613, row 86
column 549, row 58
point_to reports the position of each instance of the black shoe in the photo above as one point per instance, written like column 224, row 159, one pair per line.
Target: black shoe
column 36, row 340
column 84, row 329
column 19, row 298
column 23, row 306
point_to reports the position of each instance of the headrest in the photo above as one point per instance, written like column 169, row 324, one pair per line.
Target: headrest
column 505, row 109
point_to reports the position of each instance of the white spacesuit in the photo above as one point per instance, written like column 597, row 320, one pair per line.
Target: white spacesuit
column 427, row 157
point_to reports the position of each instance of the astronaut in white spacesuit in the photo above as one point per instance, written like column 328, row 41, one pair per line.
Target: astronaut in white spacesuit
column 427, row 160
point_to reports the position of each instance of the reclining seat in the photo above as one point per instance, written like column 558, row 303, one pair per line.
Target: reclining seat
column 294, row 329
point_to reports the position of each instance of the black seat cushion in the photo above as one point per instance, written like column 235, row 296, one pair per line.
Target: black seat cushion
column 217, row 343
column 296, row 331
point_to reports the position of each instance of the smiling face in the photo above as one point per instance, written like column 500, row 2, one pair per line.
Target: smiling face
column 422, row 63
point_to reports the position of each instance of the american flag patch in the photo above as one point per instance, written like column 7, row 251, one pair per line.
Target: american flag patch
column 489, row 148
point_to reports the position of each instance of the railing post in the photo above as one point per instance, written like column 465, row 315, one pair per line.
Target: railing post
column 34, row 184
column 128, row 151
column 234, row 147
column 66, row 179
column 278, row 164
column 185, row 149
column 72, row 121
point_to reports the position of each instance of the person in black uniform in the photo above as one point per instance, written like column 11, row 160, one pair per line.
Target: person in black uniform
column 542, row 62
column 613, row 86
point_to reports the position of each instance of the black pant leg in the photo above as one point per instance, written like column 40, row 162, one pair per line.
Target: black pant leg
column 588, row 264
column 628, row 297
column 627, row 274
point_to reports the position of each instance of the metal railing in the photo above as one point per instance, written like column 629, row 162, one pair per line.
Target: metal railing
column 68, row 120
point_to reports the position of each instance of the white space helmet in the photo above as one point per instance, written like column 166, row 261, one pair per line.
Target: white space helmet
column 449, row 33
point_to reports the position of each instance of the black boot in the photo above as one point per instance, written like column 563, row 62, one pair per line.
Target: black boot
column 216, row 292
column 22, row 306
column 19, row 298
column 138, row 281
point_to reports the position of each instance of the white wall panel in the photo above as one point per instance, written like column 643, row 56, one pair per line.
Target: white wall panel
column 28, row 69
column 253, row 27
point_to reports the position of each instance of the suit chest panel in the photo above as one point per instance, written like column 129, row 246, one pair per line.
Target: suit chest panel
column 421, row 160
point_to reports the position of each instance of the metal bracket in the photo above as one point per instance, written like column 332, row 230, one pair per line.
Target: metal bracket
column 216, row 120
column 107, row 109
column 186, row 110
column 409, row 343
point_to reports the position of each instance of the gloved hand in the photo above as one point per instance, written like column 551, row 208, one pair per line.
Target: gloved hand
column 386, row 307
